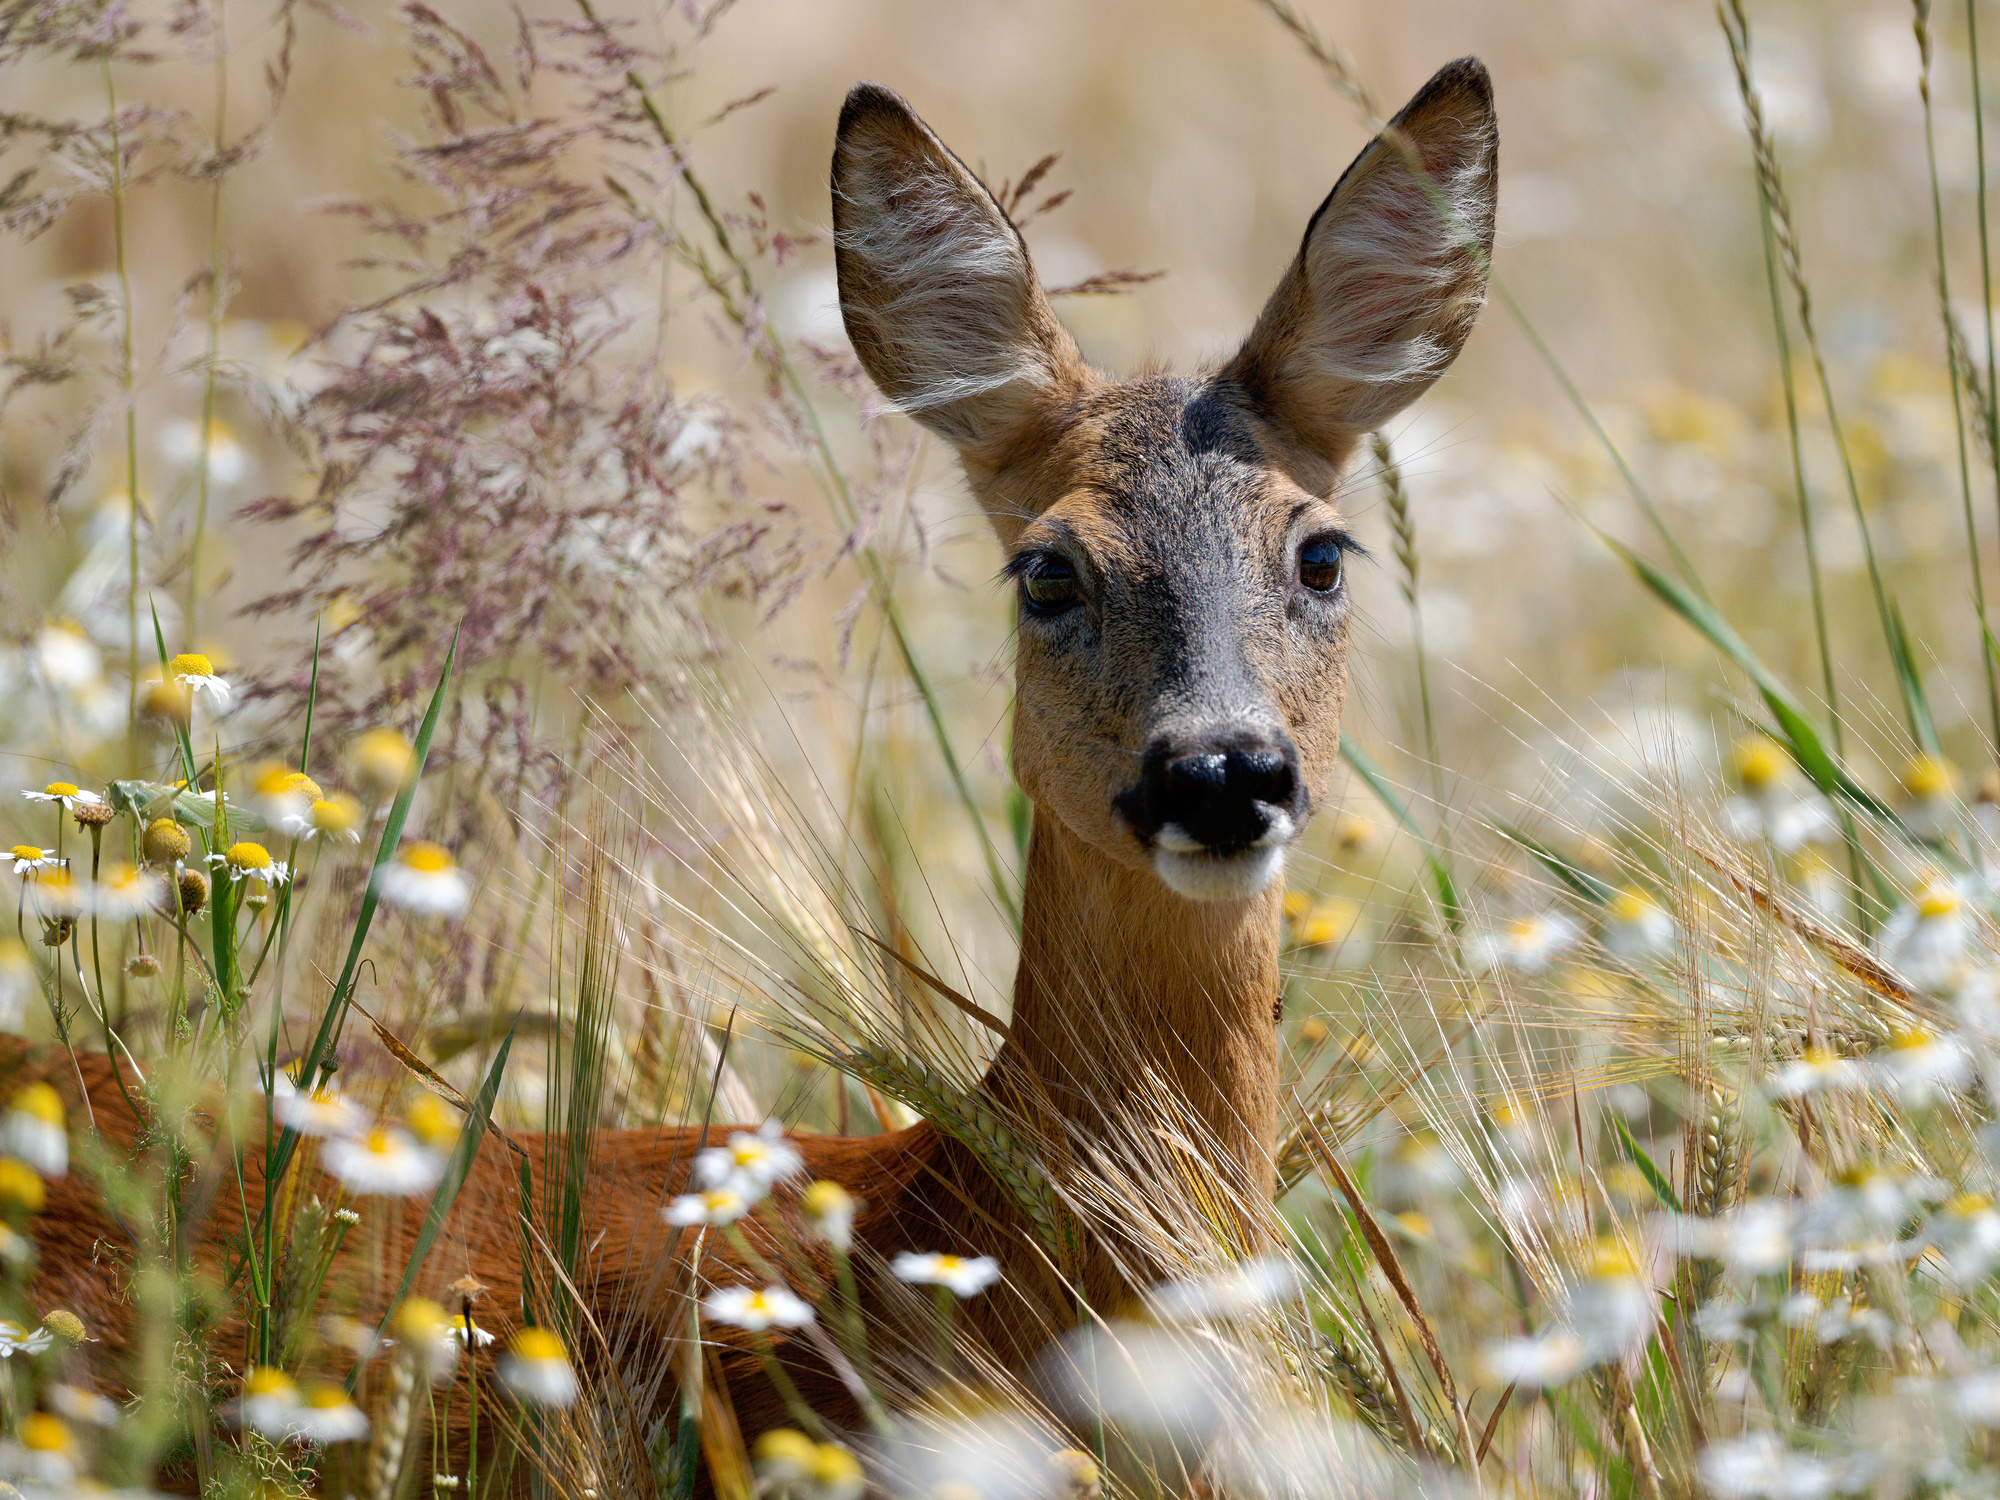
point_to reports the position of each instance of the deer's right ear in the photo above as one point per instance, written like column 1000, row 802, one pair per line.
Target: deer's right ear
column 940, row 299
column 1390, row 277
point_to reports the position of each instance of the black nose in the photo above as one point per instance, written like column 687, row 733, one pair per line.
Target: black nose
column 1221, row 792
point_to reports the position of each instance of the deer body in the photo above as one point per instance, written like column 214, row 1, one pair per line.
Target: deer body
column 1180, row 676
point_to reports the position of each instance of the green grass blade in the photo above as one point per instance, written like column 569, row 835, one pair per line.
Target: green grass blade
column 1579, row 880
column 1440, row 873
column 1648, row 1168
column 463, row 1153
column 1915, row 708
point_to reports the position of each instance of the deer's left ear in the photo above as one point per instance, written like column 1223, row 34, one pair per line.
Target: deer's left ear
column 1390, row 277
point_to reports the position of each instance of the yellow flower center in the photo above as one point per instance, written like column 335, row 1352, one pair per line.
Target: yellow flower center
column 43, row 1433
column 60, row 789
column 40, row 1102
column 717, row 1200
column 1965, row 1205
column 946, row 1264
column 248, row 856
column 824, row 1199
column 1938, row 901
column 422, row 1319
column 1929, row 776
column 21, row 1186
column 282, row 783
column 428, row 858
column 26, row 851
column 1909, row 1041
column 1760, row 762
column 265, row 1381
column 325, row 1397
column 538, row 1343
column 1297, row 904
column 833, row 1464
column 192, row 664
column 380, row 1142
column 1610, row 1258
column 335, row 815
column 1630, row 904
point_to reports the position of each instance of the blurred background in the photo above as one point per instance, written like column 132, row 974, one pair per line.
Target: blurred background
column 1194, row 140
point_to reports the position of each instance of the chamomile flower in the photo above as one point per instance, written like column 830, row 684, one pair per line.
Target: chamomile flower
column 283, row 797
column 424, row 879
column 28, row 859
column 68, row 793
column 1929, row 808
column 469, row 1333
column 1818, row 1070
column 1527, row 945
column 44, row 1453
column 791, row 1466
column 1924, row 939
column 536, row 1368
column 1546, row 1359
column 1752, row 1240
column 1241, row 1291
column 123, row 892
column 332, row 818
column 1610, row 1306
column 196, row 673
column 966, row 1275
column 1771, row 806
column 325, row 1415
column 226, row 459
column 1636, row 927
column 829, row 1209
column 381, row 759
column 250, row 861
column 747, row 1307
column 18, row 984
column 1967, row 1233
column 323, row 1112
column 1761, row 1467
column 712, row 1208
column 35, row 1130
column 165, row 842
column 386, row 1162
column 80, row 1405
column 14, row 1339
column 423, row 1328
column 22, row 1188
column 750, row 1163
column 269, row 1399
column 1918, row 1064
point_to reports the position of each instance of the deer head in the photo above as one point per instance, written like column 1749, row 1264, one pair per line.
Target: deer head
column 1183, row 612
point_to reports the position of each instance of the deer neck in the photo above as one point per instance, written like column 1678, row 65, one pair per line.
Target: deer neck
column 1126, row 990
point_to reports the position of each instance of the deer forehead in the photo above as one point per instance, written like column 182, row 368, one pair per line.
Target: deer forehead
column 1159, row 478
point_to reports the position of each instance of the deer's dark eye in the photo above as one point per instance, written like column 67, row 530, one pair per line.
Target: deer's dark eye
column 1048, row 586
column 1319, row 564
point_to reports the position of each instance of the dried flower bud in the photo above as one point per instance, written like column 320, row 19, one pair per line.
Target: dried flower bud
column 93, row 814
column 56, row 931
column 194, row 891
column 66, row 1326
column 164, row 842
column 257, row 896
column 142, row 966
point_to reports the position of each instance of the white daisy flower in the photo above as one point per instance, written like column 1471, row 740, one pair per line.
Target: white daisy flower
column 1730, row 1322
column 747, row 1307
column 1241, row 1291
column 536, row 1368
column 323, row 1112
column 228, row 461
column 1929, row 808
column 251, row 861
column 284, row 797
column 14, row 1339
column 28, row 858
column 1967, row 1233
column 66, row 657
column 1636, row 927
column 18, row 984
column 1753, row 1240
column 751, row 1164
column 1772, row 808
column 477, row 1337
column 425, row 1330
column 423, row 879
column 966, row 1275
column 1977, row 1398
column 269, row 1399
column 1611, row 1308
column 68, row 793
column 829, row 1209
column 123, row 892
column 1843, row 1320
column 196, row 673
column 1548, row 1359
column 1920, row 1064
column 1924, row 939
column 35, row 1130
column 1527, row 945
column 325, row 1415
column 335, row 819
column 1761, row 1467
column 387, row 1162
column 44, row 1453
column 80, row 1405
column 713, row 1208
column 1818, row 1070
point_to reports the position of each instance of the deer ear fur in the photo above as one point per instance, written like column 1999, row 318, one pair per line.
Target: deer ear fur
column 939, row 296
column 1390, row 276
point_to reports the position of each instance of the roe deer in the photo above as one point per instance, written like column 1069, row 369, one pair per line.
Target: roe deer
column 1183, row 627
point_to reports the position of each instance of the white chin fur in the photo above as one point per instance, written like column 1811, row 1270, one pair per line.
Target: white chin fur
column 1219, row 877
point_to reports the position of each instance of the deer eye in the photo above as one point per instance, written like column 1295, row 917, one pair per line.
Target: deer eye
column 1319, row 564
column 1048, row 586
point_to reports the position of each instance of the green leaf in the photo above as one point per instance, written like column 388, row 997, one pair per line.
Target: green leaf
column 1579, row 880
column 1648, row 1169
column 464, row 1152
column 1440, row 874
